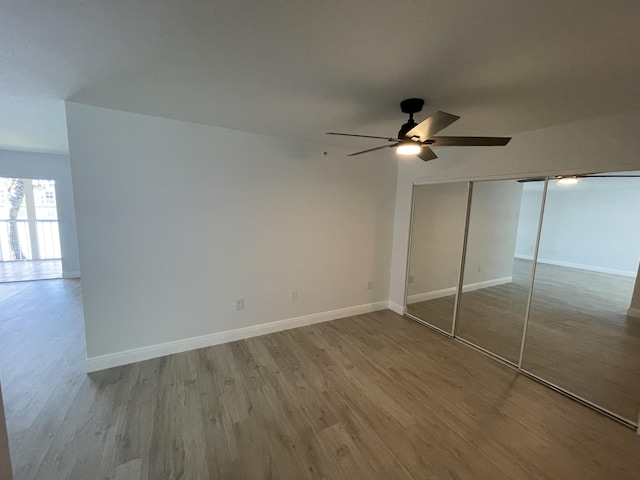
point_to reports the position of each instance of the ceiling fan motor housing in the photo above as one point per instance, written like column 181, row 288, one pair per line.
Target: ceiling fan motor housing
column 411, row 105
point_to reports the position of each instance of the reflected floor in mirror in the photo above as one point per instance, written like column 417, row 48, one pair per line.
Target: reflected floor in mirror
column 437, row 312
column 579, row 338
column 493, row 317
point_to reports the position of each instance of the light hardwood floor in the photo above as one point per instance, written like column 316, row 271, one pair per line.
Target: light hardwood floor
column 20, row 271
column 579, row 338
column 375, row 396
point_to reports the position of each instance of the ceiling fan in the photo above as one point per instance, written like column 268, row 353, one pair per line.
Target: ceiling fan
column 418, row 138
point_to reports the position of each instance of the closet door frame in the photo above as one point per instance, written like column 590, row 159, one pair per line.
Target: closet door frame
column 453, row 334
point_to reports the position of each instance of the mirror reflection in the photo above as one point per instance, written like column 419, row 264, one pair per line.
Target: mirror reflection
column 437, row 231
column 503, row 228
column 584, row 328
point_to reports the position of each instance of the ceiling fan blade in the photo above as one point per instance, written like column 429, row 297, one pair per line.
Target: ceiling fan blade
column 469, row 141
column 432, row 125
column 363, row 136
column 427, row 154
column 372, row 149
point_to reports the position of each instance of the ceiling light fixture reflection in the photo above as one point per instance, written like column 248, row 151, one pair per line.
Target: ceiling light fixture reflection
column 408, row 148
column 568, row 181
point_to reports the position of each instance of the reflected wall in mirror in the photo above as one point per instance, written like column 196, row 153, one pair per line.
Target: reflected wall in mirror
column 437, row 231
column 582, row 334
column 502, row 233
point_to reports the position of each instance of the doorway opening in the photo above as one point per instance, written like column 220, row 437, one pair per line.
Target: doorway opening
column 29, row 230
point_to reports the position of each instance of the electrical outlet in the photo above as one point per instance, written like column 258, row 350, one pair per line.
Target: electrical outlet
column 410, row 278
column 293, row 296
column 369, row 285
column 239, row 303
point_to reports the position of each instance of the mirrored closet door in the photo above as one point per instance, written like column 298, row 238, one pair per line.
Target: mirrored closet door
column 437, row 233
column 539, row 273
column 498, row 265
column 580, row 336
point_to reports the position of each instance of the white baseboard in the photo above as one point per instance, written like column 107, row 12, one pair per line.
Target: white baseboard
column 487, row 283
column 396, row 307
column 422, row 297
column 72, row 274
column 445, row 292
column 580, row 266
column 633, row 312
column 117, row 359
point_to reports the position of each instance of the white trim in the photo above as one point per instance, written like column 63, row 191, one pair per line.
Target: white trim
column 487, row 283
column 530, row 174
column 125, row 357
column 396, row 307
column 445, row 292
column 580, row 266
column 633, row 312
column 421, row 297
column 72, row 274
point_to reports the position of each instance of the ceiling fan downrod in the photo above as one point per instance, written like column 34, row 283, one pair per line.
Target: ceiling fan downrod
column 410, row 106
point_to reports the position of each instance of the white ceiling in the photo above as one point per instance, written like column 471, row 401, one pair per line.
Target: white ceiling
column 301, row 68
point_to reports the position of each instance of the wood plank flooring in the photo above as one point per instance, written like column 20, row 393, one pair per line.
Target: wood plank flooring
column 579, row 336
column 374, row 397
column 20, row 271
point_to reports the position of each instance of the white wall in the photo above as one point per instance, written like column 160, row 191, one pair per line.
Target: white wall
column 438, row 230
column 50, row 167
column 436, row 237
column 176, row 220
column 529, row 219
column 600, row 144
column 594, row 225
column 493, row 225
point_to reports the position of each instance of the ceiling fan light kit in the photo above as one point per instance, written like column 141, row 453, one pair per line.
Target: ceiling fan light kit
column 415, row 138
column 408, row 148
